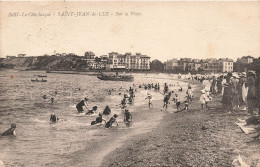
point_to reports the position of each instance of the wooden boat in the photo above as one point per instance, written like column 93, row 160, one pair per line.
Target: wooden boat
column 117, row 77
column 37, row 80
column 42, row 75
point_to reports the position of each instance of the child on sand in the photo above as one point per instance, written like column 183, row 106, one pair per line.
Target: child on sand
column 178, row 102
column 186, row 105
column 190, row 94
column 149, row 97
column 208, row 99
column 202, row 99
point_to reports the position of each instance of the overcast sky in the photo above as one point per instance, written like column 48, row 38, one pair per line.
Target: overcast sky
column 164, row 30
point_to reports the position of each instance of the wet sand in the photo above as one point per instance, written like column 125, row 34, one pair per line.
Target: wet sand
column 190, row 138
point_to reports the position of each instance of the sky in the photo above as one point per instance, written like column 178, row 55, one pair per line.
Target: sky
column 161, row 30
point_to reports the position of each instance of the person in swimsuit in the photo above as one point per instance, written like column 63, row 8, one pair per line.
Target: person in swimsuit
column 54, row 118
column 107, row 111
column 10, row 131
column 111, row 121
column 128, row 116
column 123, row 103
column 166, row 101
column 80, row 105
column 99, row 120
column 90, row 112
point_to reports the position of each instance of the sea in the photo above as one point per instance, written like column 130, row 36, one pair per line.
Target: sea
column 41, row 143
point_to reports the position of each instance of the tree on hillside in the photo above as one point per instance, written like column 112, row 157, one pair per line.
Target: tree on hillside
column 156, row 65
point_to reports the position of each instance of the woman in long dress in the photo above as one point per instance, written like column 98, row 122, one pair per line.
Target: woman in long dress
column 228, row 95
column 244, row 89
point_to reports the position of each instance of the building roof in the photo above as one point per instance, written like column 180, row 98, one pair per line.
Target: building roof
column 113, row 53
column 120, row 56
column 225, row 59
column 185, row 59
column 144, row 56
column 173, row 61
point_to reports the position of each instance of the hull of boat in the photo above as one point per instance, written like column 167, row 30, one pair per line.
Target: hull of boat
column 39, row 80
column 115, row 79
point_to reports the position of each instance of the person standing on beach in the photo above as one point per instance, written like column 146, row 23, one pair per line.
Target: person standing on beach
column 177, row 101
column 166, row 101
column 235, row 82
column 219, row 84
column 149, row 97
column 189, row 94
column 213, row 86
column 251, row 96
column 208, row 99
column 227, row 98
column 202, row 99
column 82, row 103
column 165, row 88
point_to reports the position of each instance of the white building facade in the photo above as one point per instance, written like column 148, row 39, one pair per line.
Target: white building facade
column 226, row 65
column 128, row 61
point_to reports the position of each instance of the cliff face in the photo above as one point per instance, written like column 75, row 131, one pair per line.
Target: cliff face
column 45, row 63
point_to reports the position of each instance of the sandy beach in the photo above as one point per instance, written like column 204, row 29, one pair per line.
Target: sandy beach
column 190, row 138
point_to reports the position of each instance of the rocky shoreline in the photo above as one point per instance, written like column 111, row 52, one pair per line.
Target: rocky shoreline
column 190, row 138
